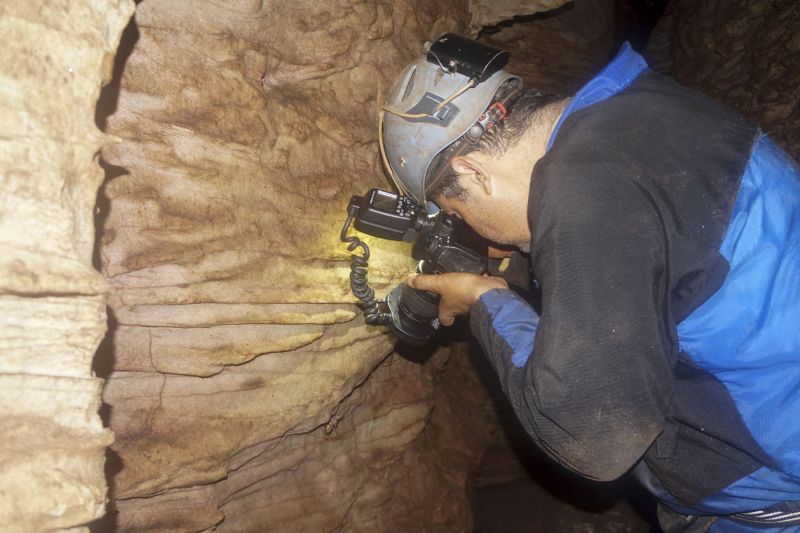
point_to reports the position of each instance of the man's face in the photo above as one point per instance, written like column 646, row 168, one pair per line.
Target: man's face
column 495, row 199
column 490, row 218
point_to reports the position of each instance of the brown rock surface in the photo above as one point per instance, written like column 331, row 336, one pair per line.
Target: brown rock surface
column 559, row 51
column 55, row 55
column 246, row 391
column 745, row 53
column 490, row 12
column 383, row 462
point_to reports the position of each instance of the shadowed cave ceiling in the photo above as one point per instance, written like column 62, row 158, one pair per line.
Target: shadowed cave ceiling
column 243, row 390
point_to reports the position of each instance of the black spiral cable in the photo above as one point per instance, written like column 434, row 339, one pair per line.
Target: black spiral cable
column 358, row 275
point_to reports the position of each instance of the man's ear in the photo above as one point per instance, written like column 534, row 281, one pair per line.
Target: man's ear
column 474, row 171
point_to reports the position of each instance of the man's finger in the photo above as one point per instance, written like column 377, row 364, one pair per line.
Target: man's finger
column 424, row 282
column 498, row 253
column 446, row 319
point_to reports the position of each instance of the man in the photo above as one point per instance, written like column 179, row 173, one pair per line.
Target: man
column 663, row 231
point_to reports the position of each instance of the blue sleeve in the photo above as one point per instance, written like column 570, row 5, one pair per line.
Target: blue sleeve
column 513, row 326
column 590, row 380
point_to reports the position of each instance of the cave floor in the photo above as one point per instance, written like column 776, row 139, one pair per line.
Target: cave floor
column 518, row 489
column 557, row 504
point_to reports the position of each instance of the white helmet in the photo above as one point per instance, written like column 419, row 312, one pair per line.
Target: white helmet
column 455, row 92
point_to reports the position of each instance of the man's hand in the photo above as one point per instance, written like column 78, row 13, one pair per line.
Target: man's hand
column 457, row 289
column 498, row 253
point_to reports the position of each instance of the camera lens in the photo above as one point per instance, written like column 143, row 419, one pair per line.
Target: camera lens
column 414, row 314
column 420, row 306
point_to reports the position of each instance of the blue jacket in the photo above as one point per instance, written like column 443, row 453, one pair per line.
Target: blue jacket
column 666, row 241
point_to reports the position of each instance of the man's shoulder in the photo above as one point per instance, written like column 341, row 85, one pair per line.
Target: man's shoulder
column 654, row 133
column 653, row 114
column 656, row 156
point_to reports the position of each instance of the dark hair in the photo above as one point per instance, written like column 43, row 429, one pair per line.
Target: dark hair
column 449, row 187
column 504, row 135
column 507, row 133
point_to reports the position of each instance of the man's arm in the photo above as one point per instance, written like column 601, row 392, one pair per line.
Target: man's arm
column 590, row 379
column 459, row 291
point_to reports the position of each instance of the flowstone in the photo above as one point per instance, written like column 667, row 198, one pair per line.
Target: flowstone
column 55, row 56
column 246, row 392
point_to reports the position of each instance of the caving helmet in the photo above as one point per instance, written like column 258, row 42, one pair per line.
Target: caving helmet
column 442, row 103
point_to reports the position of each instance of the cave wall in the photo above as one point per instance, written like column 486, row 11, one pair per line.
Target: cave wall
column 54, row 57
column 561, row 49
column 244, row 390
column 744, row 53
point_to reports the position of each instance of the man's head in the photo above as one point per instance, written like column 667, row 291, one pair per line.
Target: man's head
column 445, row 135
column 487, row 185
column 456, row 89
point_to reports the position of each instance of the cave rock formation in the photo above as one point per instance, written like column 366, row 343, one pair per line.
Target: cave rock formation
column 245, row 391
column 242, row 387
column 54, row 57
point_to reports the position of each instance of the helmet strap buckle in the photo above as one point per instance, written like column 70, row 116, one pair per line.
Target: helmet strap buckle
column 496, row 112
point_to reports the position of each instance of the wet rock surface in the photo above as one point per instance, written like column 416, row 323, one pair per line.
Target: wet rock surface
column 384, row 461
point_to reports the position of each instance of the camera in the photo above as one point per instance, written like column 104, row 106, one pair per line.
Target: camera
column 442, row 243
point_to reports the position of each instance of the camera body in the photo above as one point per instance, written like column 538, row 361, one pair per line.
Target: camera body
column 442, row 243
